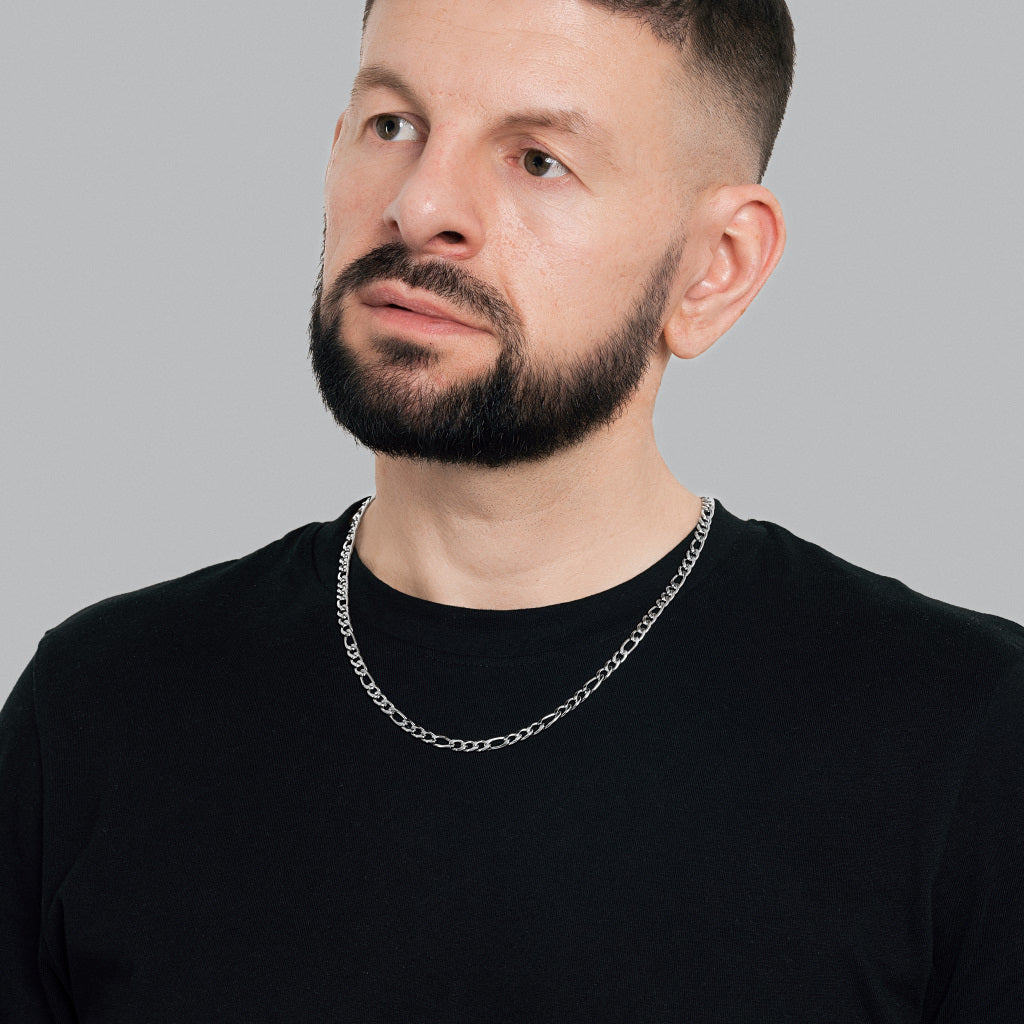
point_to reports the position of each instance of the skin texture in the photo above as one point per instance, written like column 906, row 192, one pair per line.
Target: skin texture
column 481, row 86
column 517, row 412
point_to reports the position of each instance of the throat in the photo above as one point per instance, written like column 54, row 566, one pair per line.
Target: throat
column 500, row 555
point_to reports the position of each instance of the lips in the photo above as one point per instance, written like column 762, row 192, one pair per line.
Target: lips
column 392, row 294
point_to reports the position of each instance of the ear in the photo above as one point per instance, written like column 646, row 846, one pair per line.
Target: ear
column 337, row 128
column 744, row 235
column 339, row 125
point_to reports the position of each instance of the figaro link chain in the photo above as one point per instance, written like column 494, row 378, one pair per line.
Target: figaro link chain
column 499, row 742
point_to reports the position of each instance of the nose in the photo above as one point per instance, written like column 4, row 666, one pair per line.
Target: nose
column 436, row 210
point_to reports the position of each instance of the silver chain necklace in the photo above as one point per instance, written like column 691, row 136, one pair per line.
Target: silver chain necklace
column 498, row 742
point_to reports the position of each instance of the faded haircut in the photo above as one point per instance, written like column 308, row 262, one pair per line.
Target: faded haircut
column 740, row 52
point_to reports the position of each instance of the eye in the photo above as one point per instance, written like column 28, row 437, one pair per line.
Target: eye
column 543, row 165
column 391, row 127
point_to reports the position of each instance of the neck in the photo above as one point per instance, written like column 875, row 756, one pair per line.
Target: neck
column 575, row 524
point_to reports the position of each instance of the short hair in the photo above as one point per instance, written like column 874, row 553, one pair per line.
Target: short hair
column 742, row 51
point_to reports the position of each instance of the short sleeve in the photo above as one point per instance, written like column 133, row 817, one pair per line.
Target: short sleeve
column 23, row 988
column 978, row 906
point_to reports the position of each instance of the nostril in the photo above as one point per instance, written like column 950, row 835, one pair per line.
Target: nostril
column 452, row 237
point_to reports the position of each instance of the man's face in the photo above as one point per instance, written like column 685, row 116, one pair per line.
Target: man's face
column 503, row 234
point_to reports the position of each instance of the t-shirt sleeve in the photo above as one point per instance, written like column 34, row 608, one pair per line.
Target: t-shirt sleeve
column 28, row 991
column 978, row 955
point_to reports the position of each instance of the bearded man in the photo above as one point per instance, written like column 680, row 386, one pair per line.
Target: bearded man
column 536, row 733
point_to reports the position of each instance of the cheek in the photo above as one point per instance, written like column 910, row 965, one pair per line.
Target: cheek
column 577, row 279
column 354, row 203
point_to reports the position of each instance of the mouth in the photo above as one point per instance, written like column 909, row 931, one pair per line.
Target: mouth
column 400, row 305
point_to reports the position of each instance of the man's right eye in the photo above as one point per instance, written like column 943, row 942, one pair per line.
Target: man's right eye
column 391, row 127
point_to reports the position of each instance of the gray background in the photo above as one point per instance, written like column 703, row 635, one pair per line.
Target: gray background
column 161, row 214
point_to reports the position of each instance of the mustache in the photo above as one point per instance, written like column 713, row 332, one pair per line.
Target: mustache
column 393, row 262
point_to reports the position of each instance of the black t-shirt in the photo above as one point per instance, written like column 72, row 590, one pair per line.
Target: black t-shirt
column 801, row 798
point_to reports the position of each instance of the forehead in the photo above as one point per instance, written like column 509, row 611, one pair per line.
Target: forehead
column 489, row 55
column 542, row 22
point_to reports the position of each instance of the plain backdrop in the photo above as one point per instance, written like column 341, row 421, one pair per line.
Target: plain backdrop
column 162, row 167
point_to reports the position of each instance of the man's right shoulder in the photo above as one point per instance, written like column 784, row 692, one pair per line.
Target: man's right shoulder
column 172, row 621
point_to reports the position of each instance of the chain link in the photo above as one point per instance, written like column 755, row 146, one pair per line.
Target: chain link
column 629, row 645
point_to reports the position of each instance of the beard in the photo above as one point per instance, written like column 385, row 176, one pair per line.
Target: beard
column 518, row 411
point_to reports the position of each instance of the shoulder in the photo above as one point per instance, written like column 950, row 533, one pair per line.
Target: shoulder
column 151, row 632
column 123, row 688
column 859, row 623
column 807, row 580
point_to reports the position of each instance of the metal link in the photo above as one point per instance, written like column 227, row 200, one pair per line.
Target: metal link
column 629, row 645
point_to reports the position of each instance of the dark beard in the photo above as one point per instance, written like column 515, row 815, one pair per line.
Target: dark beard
column 516, row 412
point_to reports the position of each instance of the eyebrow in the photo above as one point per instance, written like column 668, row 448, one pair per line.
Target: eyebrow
column 560, row 119
column 377, row 76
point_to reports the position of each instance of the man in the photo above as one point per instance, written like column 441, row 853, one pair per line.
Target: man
column 638, row 760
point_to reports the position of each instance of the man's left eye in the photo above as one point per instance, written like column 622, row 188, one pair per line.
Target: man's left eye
column 391, row 127
column 543, row 165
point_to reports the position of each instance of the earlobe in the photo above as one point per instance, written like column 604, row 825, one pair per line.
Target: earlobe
column 745, row 234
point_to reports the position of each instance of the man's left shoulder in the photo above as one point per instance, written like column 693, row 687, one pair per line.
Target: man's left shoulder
column 868, row 619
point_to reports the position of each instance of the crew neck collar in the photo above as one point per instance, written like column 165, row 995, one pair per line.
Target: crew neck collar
column 500, row 633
